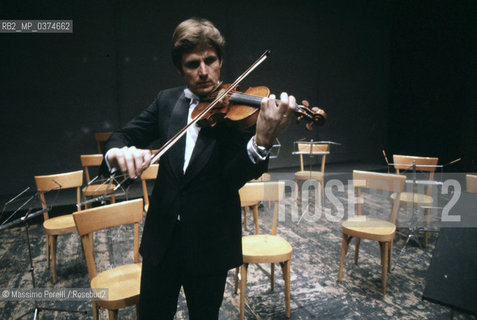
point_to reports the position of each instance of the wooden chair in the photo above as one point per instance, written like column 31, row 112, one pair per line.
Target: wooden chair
column 101, row 138
column 471, row 183
column 123, row 282
column 265, row 248
column 265, row 177
column 148, row 174
column 94, row 189
column 301, row 176
column 364, row 227
column 252, row 205
column 423, row 164
column 62, row 224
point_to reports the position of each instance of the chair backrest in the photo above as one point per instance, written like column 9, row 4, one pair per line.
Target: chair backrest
column 379, row 181
column 100, row 138
column 148, row 174
column 263, row 178
column 471, row 183
column 59, row 181
column 426, row 164
column 315, row 150
column 265, row 191
column 105, row 217
column 90, row 160
column 423, row 164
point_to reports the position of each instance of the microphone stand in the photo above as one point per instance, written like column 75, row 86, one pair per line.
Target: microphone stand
column 101, row 198
column 29, row 215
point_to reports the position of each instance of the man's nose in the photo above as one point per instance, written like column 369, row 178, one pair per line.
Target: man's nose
column 202, row 69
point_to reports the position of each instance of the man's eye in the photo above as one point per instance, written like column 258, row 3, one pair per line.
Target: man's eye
column 210, row 60
column 192, row 64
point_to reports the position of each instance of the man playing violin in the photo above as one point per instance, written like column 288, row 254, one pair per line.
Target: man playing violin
column 192, row 232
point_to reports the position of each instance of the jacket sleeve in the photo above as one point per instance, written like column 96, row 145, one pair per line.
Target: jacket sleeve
column 239, row 169
column 140, row 132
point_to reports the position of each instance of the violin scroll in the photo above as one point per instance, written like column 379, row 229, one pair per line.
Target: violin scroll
column 314, row 115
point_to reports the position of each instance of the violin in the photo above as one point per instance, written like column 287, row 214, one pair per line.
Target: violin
column 226, row 103
column 241, row 108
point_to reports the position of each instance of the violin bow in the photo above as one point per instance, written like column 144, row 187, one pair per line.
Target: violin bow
column 162, row 150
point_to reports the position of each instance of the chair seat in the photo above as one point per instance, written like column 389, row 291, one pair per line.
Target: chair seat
column 124, row 285
column 369, row 228
column 265, row 248
column 305, row 175
column 59, row 225
column 98, row 189
column 418, row 199
column 246, row 203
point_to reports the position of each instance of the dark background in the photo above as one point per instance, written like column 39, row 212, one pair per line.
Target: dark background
column 394, row 75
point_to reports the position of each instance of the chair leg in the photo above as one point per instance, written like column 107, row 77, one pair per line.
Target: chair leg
column 95, row 311
column 91, row 240
column 137, row 311
column 245, row 209
column 243, row 285
column 236, row 280
column 255, row 217
column 113, row 314
column 53, row 241
column 356, row 250
column 272, row 276
column 381, row 252
column 286, row 277
column 391, row 245
column 48, row 251
column 321, row 194
column 344, row 250
column 384, row 259
column 299, row 184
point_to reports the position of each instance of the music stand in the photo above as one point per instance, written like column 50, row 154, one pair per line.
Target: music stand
column 25, row 219
column 275, row 149
column 415, row 227
column 110, row 191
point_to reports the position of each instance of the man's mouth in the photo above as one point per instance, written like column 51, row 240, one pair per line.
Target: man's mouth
column 204, row 84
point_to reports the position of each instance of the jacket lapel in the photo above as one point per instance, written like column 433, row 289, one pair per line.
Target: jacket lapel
column 202, row 152
column 178, row 121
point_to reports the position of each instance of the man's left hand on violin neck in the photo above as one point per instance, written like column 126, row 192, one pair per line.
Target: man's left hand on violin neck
column 273, row 120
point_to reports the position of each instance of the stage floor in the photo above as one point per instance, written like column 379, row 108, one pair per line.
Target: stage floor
column 315, row 293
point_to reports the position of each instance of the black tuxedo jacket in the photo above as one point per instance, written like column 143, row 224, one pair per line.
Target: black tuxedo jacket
column 206, row 196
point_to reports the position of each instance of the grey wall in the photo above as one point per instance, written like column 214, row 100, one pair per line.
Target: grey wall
column 344, row 56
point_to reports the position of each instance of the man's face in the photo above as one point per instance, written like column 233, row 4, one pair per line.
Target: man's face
column 201, row 70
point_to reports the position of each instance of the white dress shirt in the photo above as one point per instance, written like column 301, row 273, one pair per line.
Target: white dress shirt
column 193, row 131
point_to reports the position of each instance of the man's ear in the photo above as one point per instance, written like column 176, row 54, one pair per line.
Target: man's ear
column 179, row 72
